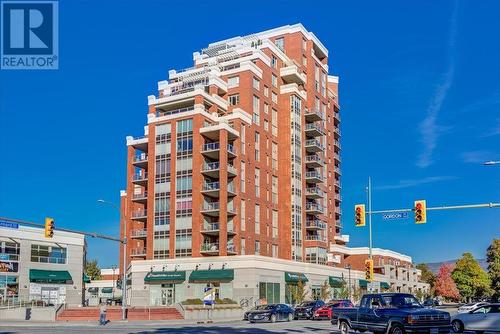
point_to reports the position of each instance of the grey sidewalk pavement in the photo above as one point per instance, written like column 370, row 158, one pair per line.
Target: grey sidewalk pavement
column 117, row 323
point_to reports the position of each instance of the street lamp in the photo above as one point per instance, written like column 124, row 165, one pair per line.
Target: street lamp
column 348, row 266
column 124, row 267
column 492, row 162
column 113, row 278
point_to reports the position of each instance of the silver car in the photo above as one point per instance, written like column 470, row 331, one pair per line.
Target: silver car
column 484, row 318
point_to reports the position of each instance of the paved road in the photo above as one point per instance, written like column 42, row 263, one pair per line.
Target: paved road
column 236, row 327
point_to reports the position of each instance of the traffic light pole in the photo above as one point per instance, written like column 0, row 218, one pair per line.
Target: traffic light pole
column 370, row 214
column 436, row 208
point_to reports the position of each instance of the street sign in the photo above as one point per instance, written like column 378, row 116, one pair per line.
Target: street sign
column 395, row 215
column 9, row 224
column 373, row 286
column 209, row 296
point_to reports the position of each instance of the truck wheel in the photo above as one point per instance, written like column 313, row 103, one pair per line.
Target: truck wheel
column 457, row 326
column 290, row 317
column 397, row 329
column 344, row 327
column 273, row 318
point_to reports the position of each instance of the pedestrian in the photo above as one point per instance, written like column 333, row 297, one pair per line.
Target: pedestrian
column 102, row 314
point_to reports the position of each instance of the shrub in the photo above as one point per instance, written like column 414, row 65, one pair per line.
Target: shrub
column 195, row 301
column 225, row 301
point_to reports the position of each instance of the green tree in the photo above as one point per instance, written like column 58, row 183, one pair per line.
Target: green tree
column 325, row 291
column 471, row 280
column 342, row 291
column 299, row 292
column 493, row 259
column 427, row 276
column 92, row 270
column 357, row 293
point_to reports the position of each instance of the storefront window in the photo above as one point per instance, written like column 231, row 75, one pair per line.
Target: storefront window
column 9, row 287
column 9, row 251
column 270, row 292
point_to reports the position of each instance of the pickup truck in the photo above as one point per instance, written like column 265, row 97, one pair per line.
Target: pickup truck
column 392, row 313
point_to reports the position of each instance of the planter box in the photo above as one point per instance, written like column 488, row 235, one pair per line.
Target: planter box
column 218, row 312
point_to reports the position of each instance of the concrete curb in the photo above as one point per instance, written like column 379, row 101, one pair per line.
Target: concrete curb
column 114, row 324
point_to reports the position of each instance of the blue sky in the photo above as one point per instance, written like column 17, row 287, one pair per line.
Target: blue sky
column 419, row 92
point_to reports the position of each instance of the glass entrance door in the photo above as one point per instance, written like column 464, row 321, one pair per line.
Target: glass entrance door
column 167, row 295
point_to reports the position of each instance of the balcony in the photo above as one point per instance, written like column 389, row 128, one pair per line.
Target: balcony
column 314, row 208
column 210, row 248
column 139, row 234
column 337, row 184
column 314, row 192
column 212, row 150
column 212, row 169
column 336, row 156
column 291, row 74
column 140, row 215
column 211, row 209
column 315, row 237
column 213, row 229
column 336, row 116
column 343, row 239
column 338, row 223
column 313, row 130
column 314, row 161
column 337, row 170
column 140, row 179
column 140, row 143
column 231, row 249
column 138, row 252
column 313, row 115
column 315, row 225
column 337, row 133
column 336, row 143
column 313, row 145
column 337, row 197
column 140, row 198
column 141, row 161
column 211, row 189
column 314, row 177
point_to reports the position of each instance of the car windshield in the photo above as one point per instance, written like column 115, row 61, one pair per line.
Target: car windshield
column 268, row 307
column 307, row 304
column 402, row 301
column 260, row 307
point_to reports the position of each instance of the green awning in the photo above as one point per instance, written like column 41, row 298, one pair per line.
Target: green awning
column 216, row 275
column 86, row 279
column 50, row 276
column 363, row 283
column 165, row 277
column 384, row 285
column 107, row 290
column 336, row 282
column 295, row 277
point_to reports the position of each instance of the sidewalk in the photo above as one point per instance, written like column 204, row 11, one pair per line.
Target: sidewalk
column 116, row 323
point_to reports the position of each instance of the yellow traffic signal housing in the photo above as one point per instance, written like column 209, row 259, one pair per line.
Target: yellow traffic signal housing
column 420, row 212
column 49, row 227
column 369, row 270
column 359, row 215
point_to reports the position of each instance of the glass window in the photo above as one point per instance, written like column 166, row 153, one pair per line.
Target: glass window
column 243, row 215
column 256, row 110
column 234, row 99
column 48, row 254
column 184, row 126
column 257, row 247
column 256, row 83
column 233, row 81
column 257, row 218
column 274, row 80
column 257, row 182
column 274, row 97
column 274, row 61
column 280, row 43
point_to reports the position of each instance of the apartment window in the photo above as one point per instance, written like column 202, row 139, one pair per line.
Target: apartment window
column 275, row 189
column 184, row 183
column 266, row 108
column 275, row 250
column 275, row 223
column 48, row 254
column 280, row 43
column 304, row 60
column 274, row 97
column 185, row 126
column 242, row 244
column 304, row 44
column 256, row 110
column 257, row 218
column 274, row 122
column 274, row 155
column 266, row 125
column 274, row 61
column 316, row 77
column 242, row 138
column 243, row 214
column 257, row 182
column 233, row 82
column 274, row 80
column 242, row 176
column 10, row 250
column 266, row 91
column 257, row 247
column 323, row 84
column 256, row 83
column 257, row 146
column 234, row 99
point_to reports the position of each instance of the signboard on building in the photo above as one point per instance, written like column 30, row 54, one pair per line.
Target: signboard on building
column 373, row 286
column 9, row 267
column 8, row 224
column 209, row 296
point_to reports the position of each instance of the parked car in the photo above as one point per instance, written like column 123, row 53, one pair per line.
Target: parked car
column 471, row 306
column 325, row 312
column 484, row 318
column 432, row 302
column 306, row 309
column 392, row 313
column 271, row 313
column 259, row 307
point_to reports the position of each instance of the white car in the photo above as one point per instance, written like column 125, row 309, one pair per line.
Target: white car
column 469, row 307
column 484, row 318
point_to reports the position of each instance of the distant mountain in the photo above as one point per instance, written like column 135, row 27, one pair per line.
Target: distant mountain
column 434, row 267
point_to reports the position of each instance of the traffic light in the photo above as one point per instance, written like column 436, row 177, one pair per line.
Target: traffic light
column 359, row 215
column 49, row 227
column 420, row 212
column 369, row 270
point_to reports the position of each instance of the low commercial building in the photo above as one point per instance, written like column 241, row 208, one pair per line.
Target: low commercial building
column 104, row 289
column 33, row 267
column 246, row 279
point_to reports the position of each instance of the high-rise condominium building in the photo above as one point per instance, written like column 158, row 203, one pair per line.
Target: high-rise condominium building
column 240, row 154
